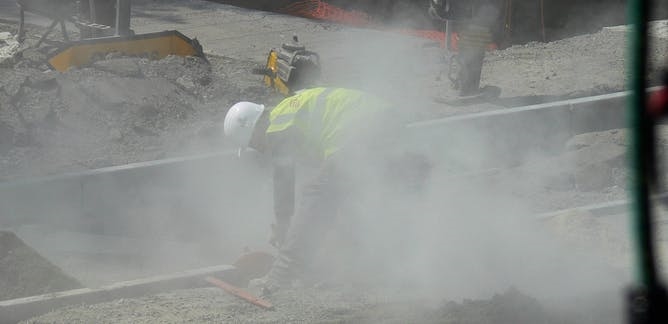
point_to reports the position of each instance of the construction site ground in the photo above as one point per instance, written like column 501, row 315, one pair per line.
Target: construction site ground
column 122, row 110
column 42, row 134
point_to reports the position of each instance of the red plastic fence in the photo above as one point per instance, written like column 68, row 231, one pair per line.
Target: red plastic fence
column 434, row 35
column 317, row 9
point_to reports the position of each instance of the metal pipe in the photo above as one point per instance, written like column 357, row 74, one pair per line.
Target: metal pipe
column 92, row 15
column 91, row 8
column 642, row 148
column 123, row 9
column 447, row 35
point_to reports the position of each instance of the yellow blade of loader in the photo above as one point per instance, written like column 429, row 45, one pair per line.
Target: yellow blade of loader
column 151, row 45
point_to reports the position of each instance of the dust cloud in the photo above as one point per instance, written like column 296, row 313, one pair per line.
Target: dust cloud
column 444, row 237
column 456, row 238
column 447, row 239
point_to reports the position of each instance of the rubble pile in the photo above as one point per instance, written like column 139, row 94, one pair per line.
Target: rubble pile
column 118, row 110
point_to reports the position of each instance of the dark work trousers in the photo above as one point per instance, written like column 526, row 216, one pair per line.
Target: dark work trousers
column 320, row 202
column 470, row 69
column 474, row 38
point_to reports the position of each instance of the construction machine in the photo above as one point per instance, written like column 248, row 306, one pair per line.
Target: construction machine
column 104, row 27
column 290, row 67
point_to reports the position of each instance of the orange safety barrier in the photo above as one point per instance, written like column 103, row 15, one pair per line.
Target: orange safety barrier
column 454, row 39
column 434, row 35
column 317, row 9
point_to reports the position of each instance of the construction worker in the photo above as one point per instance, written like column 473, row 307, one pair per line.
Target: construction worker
column 342, row 132
column 476, row 22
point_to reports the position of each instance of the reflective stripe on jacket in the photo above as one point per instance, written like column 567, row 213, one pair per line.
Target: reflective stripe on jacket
column 325, row 117
column 474, row 37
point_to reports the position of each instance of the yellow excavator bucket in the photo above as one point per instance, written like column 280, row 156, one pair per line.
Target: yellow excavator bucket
column 151, row 45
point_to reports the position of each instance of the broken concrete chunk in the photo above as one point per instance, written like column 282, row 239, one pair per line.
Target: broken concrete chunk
column 186, row 82
column 9, row 47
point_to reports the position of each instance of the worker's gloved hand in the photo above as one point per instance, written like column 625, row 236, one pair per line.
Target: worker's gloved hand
column 278, row 233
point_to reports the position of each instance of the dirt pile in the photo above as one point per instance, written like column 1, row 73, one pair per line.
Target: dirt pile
column 116, row 111
column 536, row 72
column 507, row 308
column 23, row 272
column 591, row 167
column 306, row 305
column 572, row 67
column 587, row 234
column 122, row 110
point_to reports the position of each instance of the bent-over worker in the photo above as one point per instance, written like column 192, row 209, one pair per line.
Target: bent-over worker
column 337, row 130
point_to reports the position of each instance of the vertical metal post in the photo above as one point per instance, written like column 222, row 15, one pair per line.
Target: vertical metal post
column 542, row 20
column 642, row 140
column 22, row 31
column 92, row 13
column 647, row 301
column 447, row 34
column 64, row 31
column 92, row 16
column 123, row 17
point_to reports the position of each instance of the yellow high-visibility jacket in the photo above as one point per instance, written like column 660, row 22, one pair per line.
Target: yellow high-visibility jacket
column 326, row 118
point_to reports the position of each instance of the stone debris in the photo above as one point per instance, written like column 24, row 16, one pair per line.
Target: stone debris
column 9, row 46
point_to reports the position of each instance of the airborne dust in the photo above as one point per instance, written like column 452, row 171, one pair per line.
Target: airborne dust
column 458, row 249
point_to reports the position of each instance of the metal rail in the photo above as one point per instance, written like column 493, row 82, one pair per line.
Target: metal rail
column 101, row 201
column 616, row 207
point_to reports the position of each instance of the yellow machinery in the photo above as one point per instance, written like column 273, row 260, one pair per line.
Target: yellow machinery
column 153, row 46
column 290, row 67
column 104, row 27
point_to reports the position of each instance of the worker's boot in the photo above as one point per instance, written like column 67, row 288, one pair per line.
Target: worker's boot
column 280, row 276
column 262, row 287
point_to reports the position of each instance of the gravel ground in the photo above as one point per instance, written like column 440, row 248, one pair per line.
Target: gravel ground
column 124, row 110
column 117, row 111
column 313, row 305
column 579, row 66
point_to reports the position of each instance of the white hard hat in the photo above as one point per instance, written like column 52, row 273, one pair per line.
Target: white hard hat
column 240, row 122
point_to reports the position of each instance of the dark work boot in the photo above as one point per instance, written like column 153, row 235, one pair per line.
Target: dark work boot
column 470, row 69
